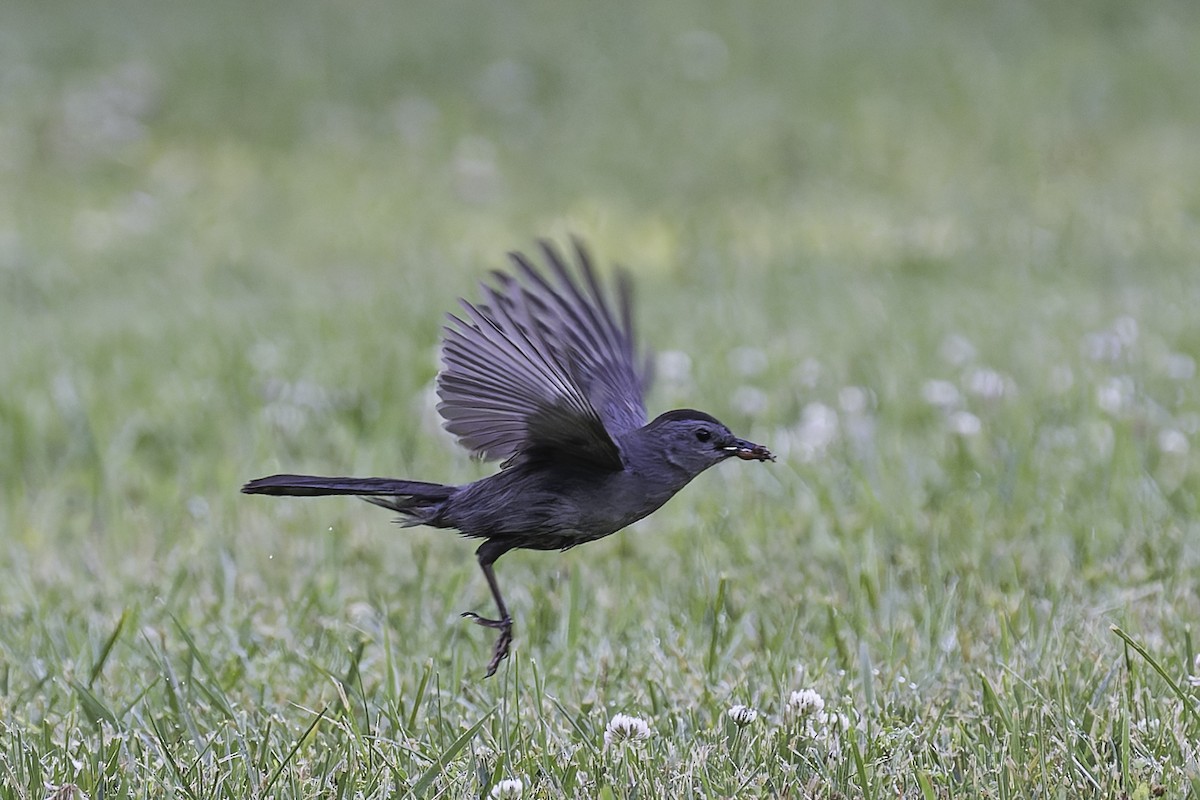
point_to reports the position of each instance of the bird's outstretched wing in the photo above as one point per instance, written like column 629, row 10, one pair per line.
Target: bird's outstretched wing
column 544, row 365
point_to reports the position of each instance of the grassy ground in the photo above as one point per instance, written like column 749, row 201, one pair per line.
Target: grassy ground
column 941, row 257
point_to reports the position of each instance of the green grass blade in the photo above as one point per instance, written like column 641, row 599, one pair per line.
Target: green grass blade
column 106, row 649
column 449, row 754
column 292, row 753
column 95, row 710
column 1188, row 703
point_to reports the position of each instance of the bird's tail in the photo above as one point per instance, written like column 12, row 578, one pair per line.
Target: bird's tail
column 420, row 502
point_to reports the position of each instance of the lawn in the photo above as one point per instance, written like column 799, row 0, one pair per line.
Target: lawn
column 943, row 258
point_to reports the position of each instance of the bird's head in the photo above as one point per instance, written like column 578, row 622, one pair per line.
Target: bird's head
column 694, row 441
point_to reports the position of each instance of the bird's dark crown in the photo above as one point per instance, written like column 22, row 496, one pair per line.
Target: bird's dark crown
column 685, row 414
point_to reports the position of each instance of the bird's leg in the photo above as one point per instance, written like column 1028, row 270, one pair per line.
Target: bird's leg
column 487, row 556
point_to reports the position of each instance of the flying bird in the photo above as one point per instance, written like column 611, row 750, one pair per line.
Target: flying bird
column 544, row 375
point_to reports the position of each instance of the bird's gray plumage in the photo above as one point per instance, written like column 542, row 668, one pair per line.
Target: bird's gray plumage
column 545, row 375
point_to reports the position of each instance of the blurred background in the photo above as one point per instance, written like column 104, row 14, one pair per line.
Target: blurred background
column 193, row 194
column 942, row 257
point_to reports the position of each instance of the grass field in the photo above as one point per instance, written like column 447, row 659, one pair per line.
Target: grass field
column 944, row 258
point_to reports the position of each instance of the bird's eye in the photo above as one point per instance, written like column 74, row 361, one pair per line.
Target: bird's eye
column 703, row 434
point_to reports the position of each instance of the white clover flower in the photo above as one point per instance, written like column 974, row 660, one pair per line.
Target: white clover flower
column 507, row 788
column 809, row 718
column 1180, row 367
column 1172, row 441
column 988, row 384
column 742, row 715
column 964, row 423
column 832, row 728
column 1112, row 343
column 362, row 616
column 939, row 393
column 198, row 507
column 749, row 400
column 674, row 366
column 1116, row 394
column 853, row 399
column 818, row 429
column 806, row 702
column 625, row 728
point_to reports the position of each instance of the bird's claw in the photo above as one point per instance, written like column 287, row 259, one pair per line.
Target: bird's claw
column 485, row 622
column 500, row 651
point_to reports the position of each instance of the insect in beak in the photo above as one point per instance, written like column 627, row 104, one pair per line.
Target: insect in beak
column 749, row 451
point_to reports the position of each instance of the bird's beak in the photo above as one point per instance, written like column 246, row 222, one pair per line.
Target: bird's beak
column 749, row 451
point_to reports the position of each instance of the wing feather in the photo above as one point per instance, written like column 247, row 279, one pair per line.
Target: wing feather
column 543, row 364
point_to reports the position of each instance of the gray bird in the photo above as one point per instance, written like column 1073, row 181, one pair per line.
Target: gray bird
column 544, row 376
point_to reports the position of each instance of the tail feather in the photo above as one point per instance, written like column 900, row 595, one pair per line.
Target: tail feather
column 315, row 486
column 419, row 502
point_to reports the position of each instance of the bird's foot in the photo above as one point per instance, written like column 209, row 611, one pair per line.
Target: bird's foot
column 500, row 651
